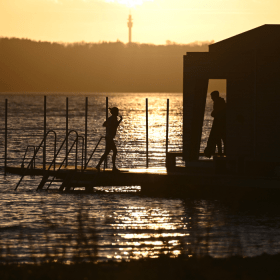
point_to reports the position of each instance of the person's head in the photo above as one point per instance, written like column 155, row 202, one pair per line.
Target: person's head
column 114, row 111
column 214, row 95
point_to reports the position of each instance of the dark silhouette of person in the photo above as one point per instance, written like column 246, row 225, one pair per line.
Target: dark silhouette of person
column 111, row 125
column 218, row 130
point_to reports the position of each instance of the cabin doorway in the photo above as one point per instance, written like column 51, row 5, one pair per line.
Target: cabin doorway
column 213, row 84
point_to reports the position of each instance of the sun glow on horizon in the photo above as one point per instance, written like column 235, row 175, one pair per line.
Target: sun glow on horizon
column 153, row 21
column 129, row 3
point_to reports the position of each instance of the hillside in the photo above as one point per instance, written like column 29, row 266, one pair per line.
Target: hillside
column 27, row 65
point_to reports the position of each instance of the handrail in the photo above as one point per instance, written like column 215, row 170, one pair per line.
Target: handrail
column 53, row 162
column 36, row 151
column 75, row 141
column 86, row 164
column 83, row 145
column 68, row 152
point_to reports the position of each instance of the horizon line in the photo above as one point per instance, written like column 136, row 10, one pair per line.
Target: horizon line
column 167, row 43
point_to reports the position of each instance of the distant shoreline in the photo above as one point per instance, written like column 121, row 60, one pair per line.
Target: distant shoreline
column 31, row 66
column 80, row 92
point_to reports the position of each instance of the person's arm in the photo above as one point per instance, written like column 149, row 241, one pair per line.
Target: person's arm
column 120, row 119
column 105, row 124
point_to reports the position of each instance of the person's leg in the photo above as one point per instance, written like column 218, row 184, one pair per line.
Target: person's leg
column 211, row 142
column 106, row 153
column 114, row 148
column 102, row 159
column 219, row 145
column 224, row 142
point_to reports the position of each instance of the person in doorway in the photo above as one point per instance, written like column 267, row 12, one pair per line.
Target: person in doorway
column 218, row 130
column 111, row 125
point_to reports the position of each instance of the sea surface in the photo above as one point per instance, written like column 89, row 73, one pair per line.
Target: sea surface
column 116, row 223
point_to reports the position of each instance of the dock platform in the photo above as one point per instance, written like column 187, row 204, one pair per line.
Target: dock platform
column 151, row 180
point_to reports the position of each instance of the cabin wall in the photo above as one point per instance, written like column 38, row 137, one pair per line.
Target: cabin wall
column 194, row 99
column 194, row 106
column 240, row 110
column 268, row 107
column 188, row 116
column 240, row 105
column 239, row 70
column 250, row 62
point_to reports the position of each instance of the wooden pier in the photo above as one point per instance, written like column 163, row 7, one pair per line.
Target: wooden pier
column 80, row 138
column 196, row 177
column 153, row 181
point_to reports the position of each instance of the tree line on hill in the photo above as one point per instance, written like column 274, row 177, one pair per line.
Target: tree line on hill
column 27, row 65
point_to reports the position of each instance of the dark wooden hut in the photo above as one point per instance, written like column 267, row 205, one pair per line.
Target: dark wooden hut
column 250, row 63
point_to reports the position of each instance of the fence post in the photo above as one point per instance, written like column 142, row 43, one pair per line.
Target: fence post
column 147, row 135
column 66, row 161
column 167, row 128
column 6, row 135
column 86, row 123
column 45, row 130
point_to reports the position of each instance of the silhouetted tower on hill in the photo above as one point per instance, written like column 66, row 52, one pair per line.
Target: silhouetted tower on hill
column 129, row 24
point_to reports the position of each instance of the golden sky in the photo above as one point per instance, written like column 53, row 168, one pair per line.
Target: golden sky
column 155, row 21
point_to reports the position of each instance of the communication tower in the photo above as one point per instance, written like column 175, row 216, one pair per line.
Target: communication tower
column 129, row 24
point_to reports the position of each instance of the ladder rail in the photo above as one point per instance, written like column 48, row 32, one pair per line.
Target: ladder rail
column 86, row 164
column 35, row 153
column 24, row 157
column 53, row 163
column 66, row 156
column 68, row 152
column 57, row 152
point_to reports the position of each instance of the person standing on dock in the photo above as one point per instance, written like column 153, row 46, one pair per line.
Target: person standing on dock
column 111, row 129
column 218, row 130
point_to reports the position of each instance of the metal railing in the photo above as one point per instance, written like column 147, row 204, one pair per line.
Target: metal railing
column 87, row 162
column 53, row 162
column 33, row 158
column 68, row 152
column 26, row 150
column 147, row 148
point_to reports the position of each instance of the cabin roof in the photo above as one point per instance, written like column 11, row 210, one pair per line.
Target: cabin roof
column 266, row 37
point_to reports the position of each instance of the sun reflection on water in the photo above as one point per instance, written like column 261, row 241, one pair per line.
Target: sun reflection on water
column 155, row 231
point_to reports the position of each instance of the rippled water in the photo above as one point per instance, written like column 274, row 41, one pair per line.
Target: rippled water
column 122, row 224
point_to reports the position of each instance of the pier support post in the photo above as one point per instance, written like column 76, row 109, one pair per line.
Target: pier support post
column 167, row 128
column 66, row 144
column 6, row 136
column 147, row 135
column 86, row 123
column 107, row 107
column 45, row 131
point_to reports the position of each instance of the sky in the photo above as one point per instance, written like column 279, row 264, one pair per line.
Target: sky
column 154, row 21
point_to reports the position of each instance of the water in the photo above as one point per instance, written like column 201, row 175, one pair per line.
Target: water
column 118, row 223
